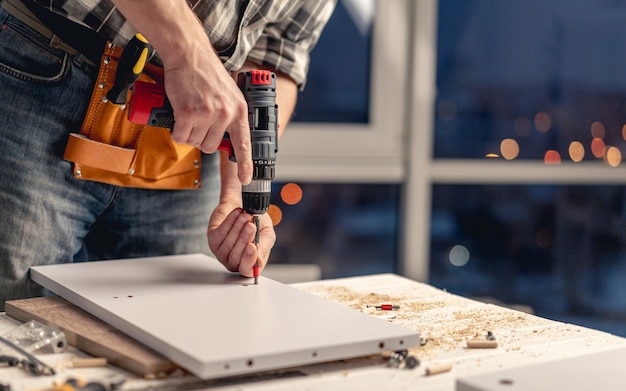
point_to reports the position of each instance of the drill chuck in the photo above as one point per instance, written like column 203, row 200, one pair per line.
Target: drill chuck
column 256, row 196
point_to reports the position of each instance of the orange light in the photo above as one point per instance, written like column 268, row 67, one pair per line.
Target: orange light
column 552, row 157
column 576, row 151
column 598, row 130
column 543, row 122
column 613, row 157
column 509, row 149
column 291, row 193
column 522, row 126
column 624, row 132
column 492, row 155
column 598, row 147
column 275, row 214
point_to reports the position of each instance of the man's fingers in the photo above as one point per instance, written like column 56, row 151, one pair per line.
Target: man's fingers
column 238, row 255
column 240, row 138
column 225, row 235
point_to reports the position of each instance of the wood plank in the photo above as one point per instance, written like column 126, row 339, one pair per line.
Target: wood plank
column 91, row 335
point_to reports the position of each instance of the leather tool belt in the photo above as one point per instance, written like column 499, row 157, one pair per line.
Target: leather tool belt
column 113, row 150
column 109, row 148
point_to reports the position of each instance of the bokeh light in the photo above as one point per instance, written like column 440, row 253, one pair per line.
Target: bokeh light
column 459, row 255
column 543, row 121
column 613, row 156
column 275, row 214
column 576, row 151
column 509, row 149
column 552, row 157
column 291, row 193
column 598, row 130
column 598, row 147
column 522, row 126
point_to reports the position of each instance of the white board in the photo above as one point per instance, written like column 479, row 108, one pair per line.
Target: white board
column 598, row 371
column 215, row 323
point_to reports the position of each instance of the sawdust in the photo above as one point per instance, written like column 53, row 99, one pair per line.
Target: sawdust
column 444, row 330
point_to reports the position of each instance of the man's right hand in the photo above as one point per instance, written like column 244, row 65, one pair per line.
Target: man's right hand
column 206, row 101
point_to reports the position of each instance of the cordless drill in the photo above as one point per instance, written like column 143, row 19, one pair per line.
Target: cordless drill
column 149, row 106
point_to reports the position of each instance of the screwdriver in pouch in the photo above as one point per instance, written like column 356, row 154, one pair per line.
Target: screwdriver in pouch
column 130, row 66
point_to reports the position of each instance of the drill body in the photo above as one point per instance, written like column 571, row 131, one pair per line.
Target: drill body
column 259, row 89
column 149, row 106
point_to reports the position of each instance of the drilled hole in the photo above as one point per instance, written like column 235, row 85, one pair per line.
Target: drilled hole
column 314, row 354
column 381, row 345
column 227, row 366
column 401, row 342
column 250, row 363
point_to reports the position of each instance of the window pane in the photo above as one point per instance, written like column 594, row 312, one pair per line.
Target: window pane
column 347, row 230
column 557, row 249
column 544, row 77
column 338, row 84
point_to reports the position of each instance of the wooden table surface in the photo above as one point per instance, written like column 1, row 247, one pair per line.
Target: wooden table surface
column 445, row 320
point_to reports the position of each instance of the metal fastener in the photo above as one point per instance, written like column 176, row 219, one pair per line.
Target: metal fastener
column 411, row 362
column 131, row 171
column 78, row 173
column 106, row 60
column 101, row 85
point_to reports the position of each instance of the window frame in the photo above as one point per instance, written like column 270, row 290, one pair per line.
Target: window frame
column 424, row 171
column 360, row 153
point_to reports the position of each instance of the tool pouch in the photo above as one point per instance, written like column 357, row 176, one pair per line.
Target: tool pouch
column 111, row 149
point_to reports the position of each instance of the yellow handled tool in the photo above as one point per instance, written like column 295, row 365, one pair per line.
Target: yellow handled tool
column 134, row 58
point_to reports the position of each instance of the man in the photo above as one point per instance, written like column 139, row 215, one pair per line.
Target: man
column 49, row 216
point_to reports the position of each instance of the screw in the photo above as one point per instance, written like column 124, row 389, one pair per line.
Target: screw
column 411, row 362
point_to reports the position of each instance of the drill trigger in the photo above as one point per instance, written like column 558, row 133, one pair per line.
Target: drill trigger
column 227, row 146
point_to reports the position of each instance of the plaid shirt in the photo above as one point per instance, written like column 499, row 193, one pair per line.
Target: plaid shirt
column 275, row 33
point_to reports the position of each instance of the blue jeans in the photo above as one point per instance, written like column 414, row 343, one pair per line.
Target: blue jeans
column 46, row 215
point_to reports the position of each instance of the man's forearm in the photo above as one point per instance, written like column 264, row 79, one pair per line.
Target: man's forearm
column 170, row 26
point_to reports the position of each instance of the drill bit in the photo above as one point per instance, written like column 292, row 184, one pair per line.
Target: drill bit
column 256, row 242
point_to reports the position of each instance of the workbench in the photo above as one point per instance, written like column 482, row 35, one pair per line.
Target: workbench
column 445, row 321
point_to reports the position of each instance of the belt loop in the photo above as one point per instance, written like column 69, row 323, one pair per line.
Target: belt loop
column 56, row 41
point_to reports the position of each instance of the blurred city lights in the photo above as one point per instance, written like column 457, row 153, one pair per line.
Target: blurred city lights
column 275, row 214
column 509, row 149
column 552, row 157
column 598, row 147
column 576, row 151
column 598, row 130
column 543, row 122
column 522, row 126
column 613, row 157
column 459, row 255
column 291, row 193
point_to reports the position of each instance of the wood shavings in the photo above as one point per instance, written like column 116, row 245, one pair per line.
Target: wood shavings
column 446, row 320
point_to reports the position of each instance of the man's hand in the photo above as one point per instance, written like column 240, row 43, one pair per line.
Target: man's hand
column 205, row 99
column 207, row 102
column 231, row 234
